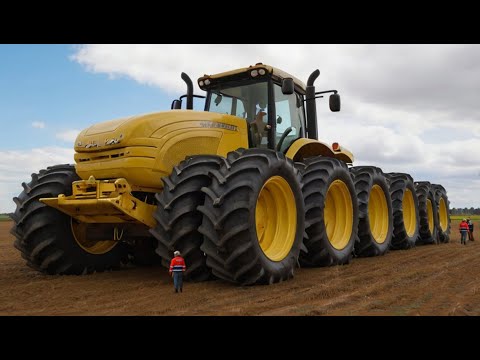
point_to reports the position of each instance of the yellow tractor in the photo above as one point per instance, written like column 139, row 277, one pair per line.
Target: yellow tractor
column 244, row 190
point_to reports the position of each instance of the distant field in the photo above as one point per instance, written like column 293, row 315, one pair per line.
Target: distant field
column 4, row 217
column 460, row 217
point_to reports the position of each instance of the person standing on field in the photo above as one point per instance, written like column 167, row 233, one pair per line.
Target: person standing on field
column 177, row 268
column 463, row 231
column 470, row 230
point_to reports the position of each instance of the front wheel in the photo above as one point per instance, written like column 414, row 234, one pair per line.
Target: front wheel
column 253, row 218
column 178, row 218
column 53, row 242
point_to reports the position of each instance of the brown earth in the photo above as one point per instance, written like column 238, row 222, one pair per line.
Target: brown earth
column 427, row 280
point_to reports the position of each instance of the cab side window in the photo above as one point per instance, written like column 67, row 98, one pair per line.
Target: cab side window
column 290, row 118
column 225, row 104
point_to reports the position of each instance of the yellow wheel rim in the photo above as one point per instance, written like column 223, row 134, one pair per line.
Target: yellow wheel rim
column 378, row 214
column 80, row 234
column 430, row 215
column 408, row 208
column 443, row 215
column 338, row 214
column 276, row 218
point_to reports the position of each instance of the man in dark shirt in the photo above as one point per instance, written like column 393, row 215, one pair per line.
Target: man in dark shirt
column 470, row 230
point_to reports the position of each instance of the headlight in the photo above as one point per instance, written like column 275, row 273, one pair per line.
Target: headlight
column 254, row 73
column 261, row 71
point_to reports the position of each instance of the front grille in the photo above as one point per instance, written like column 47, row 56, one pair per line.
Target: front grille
column 101, row 157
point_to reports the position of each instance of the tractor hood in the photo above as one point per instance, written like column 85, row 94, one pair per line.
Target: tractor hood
column 142, row 149
column 145, row 130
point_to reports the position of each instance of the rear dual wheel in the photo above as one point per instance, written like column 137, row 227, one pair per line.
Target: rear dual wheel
column 443, row 204
column 405, row 211
column 428, row 213
column 375, row 226
column 331, row 212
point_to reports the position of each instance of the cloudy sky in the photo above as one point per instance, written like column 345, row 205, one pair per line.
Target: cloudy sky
column 405, row 108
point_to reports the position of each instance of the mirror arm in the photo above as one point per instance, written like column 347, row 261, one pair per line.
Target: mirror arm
column 184, row 96
column 197, row 96
column 322, row 92
column 326, row 91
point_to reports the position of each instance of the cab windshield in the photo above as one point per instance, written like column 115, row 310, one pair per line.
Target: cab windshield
column 244, row 101
column 249, row 101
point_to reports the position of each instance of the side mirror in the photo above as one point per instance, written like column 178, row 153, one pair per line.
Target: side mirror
column 176, row 104
column 218, row 99
column 334, row 102
column 288, row 86
column 279, row 119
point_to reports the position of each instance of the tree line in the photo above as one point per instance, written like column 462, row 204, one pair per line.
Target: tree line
column 465, row 211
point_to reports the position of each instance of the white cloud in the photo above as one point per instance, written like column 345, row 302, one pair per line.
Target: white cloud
column 38, row 124
column 410, row 108
column 161, row 65
column 17, row 166
column 68, row 135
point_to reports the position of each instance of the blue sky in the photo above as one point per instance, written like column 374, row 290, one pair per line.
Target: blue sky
column 40, row 83
column 405, row 108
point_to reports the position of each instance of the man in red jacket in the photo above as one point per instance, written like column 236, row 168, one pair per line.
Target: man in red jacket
column 177, row 268
column 463, row 231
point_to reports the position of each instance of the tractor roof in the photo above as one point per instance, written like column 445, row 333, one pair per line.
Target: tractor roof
column 275, row 72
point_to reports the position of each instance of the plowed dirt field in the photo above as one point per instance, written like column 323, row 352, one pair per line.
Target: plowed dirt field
column 427, row 280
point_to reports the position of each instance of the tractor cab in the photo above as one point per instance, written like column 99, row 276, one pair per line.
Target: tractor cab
column 270, row 100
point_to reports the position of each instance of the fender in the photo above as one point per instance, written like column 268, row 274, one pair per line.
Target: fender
column 304, row 148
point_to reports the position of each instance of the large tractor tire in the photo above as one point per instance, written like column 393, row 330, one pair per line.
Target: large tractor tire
column 375, row 226
column 177, row 216
column 428, row 213
column 406, row 223
column 53, row 242
column 331, row 212
column 443, row 205
column 253, row 218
